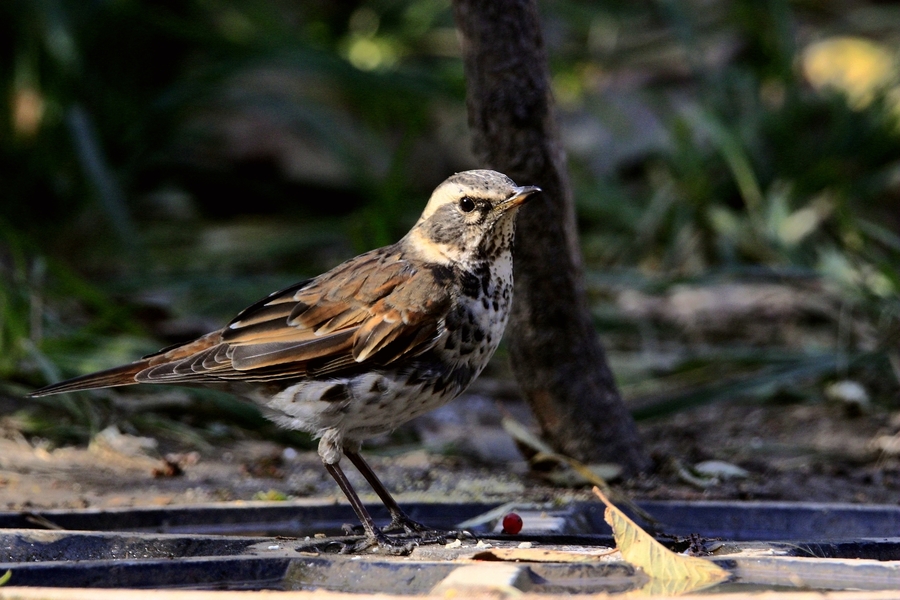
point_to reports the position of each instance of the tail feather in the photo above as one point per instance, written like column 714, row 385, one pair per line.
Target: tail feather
column 117, row 376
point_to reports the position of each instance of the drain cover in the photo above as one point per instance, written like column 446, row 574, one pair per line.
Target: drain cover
column 762, row 544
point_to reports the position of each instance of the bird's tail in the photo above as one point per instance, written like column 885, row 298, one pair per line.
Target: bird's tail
column 117, row 376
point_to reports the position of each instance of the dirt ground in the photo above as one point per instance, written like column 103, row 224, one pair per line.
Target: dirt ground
column 748, row 451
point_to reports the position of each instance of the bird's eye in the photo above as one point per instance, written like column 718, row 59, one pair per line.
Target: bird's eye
column 466, row 204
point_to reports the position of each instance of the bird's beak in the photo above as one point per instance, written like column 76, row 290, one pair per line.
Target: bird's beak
column 521, row 196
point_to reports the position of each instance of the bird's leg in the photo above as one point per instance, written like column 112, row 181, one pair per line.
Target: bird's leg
column 374, row 536
column 399, row 519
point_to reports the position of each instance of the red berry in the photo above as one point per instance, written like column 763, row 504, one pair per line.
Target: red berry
column 512, row 524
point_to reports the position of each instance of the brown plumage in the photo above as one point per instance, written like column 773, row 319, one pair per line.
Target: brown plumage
column 370, row 344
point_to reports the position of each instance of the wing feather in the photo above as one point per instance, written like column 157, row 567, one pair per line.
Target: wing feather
column 255, row 356
column 371, row 310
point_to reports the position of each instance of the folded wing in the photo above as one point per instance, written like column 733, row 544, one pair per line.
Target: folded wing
column 372, row 309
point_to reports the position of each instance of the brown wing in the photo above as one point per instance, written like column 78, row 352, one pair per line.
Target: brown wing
column 372, row 309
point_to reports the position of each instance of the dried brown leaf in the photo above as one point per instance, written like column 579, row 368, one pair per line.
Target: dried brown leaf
column 539, row 555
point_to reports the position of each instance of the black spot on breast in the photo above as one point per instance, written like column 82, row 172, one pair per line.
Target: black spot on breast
column 470, row 284
column 496, row 306
column 443, row 275
column 478, row 334
column 483, row 272
column 449, row 343
column 462, row 376
column 335, row 393
column 484, row 302
column 465, row 334
column 457, row 317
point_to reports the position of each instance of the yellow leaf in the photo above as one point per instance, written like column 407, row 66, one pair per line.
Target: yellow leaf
column 668, row 571
column 5, row 577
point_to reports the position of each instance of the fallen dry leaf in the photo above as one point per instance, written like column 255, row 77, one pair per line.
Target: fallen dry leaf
column 539, row 555
column 668, row 571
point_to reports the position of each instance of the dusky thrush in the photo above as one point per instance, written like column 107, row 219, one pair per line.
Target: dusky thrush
column 369, row 345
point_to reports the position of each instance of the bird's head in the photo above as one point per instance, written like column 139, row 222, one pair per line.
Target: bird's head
column 470, row 216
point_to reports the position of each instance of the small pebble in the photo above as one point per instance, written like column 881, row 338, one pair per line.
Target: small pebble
column 453, row 544
column 525, row 545
column 276, row 547
column 482, row 545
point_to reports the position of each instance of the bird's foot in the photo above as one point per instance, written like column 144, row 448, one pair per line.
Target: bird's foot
column 403, row 523
column 379, row 543
column 407, row 534
column 423, row 533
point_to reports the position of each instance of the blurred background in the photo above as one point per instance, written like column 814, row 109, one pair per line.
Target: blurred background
column 736, row 168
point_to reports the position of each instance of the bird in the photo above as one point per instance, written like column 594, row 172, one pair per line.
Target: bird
column 363, row 348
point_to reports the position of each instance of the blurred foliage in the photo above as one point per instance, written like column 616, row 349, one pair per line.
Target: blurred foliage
column 165, row 163
column 770, row 152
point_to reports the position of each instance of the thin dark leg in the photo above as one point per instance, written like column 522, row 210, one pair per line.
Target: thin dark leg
column 363, row 467
column 399, row 519
column 365, row 518
column 374, row 536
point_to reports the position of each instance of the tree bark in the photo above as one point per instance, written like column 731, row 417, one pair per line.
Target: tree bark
column 556, row 355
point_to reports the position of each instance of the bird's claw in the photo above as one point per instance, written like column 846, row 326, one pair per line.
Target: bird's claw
column 409, row 534
column 406, row 525
column 425, row 534
column 380, row 544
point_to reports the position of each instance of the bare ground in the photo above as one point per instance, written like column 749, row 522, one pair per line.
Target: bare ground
column 799, row 452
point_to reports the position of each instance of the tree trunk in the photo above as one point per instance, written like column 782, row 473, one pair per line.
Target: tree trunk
column 557, row 358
